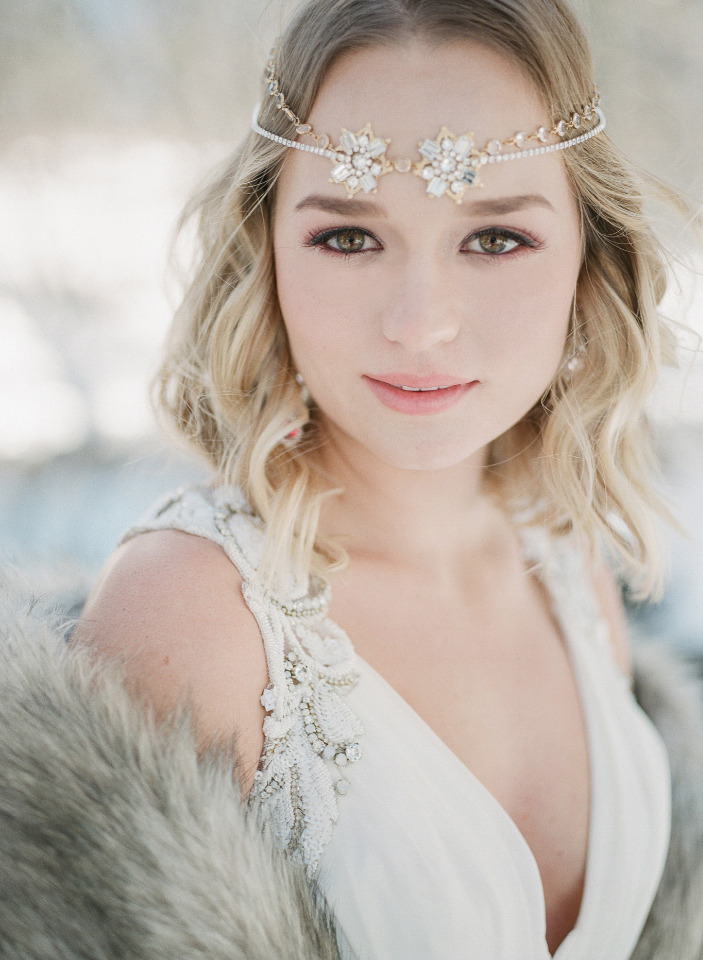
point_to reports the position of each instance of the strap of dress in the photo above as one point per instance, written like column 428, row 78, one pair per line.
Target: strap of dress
column 310, row 734
column 560, row 564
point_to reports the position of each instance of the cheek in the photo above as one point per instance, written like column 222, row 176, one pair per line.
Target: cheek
column 529, row 315
column 309, row 306
column 326, row 309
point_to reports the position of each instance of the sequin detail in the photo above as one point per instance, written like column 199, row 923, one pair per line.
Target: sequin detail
column 311, row 736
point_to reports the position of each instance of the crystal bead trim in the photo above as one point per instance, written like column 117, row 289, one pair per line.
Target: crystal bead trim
column 360, row 159
column 311, row 736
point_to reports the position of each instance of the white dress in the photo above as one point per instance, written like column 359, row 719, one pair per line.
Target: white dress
column 417, row 859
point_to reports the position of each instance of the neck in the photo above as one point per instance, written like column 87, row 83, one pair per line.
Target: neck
column 391, row 514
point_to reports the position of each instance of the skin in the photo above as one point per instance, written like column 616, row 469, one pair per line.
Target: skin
column 423, row 293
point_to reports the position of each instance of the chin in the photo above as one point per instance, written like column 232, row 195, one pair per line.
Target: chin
column 430, row 456
column 432, row 449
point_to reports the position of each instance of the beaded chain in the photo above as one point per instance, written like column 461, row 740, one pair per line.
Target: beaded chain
column 449, row 164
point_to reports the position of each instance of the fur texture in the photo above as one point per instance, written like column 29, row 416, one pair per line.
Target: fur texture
column 671, row 694
column 117, row 842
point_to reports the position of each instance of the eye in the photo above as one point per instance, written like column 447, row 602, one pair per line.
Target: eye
column 496, row 242
column 345, row 240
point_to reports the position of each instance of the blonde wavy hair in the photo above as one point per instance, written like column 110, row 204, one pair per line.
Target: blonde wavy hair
column 581, row 457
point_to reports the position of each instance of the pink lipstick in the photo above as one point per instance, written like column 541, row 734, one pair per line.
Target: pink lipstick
column 406, row 393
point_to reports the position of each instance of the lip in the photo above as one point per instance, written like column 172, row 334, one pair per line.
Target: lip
column 430, row 394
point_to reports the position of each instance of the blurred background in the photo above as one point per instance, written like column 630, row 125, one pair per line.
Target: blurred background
column 111, row 113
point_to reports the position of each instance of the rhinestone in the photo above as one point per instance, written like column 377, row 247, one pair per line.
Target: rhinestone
column 403, row 165
column 576, row 120
column 363, row 140
column 447, row 144
column 368, row 182
column 300, row 671
column 376, row 148
column 304, row 128
column 309, row 727
column 493, row 147
column 542, row 134
column 353, row 752
column 427, row 172
column 280, row 100
column 561, row 128
column 457, row 188
column 360, row 161
column 353, row 182
column 342, row 786
column 292, row 656
column 340, row 759
column 340, row 173
column 349, row 142
column 429, row 150
column 448, row 165
column 462, row 146
column 520, row 140
column 323, row 141
column 469, row 175
column 437, row 187
column 273, row 87
column 317, row 745
column 376, row 169
column 588, row 112
column 268, row 699
column 329, row 751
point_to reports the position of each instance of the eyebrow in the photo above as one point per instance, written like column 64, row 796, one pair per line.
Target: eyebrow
column 508, row 204
column 339, row 206
column 353, row 206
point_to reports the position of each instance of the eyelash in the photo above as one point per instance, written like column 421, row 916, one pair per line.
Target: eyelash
column 321, row 239
column 521, row 239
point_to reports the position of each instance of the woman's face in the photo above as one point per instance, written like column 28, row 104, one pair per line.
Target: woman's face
column 397, row 289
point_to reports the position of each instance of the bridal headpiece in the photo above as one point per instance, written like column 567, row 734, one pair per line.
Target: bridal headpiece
column 449, row 164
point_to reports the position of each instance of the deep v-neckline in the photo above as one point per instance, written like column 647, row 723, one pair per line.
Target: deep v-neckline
column 489, row 799
column 497, row 809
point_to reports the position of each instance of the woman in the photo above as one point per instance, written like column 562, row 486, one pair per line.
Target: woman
column 419, row 374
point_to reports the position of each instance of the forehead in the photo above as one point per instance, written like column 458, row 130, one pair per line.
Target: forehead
column 407, row 92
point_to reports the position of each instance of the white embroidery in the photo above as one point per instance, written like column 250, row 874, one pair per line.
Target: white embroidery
column 310, row 734
column 561, row 566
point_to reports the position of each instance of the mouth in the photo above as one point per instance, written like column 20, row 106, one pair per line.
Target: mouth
column 399, row 386
column 407, row 393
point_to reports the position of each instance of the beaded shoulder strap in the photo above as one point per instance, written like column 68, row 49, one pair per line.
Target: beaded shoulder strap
column 310, row 734
column 560, row 564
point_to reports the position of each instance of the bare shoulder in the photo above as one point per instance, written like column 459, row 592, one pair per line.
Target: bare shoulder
column 169, row 605
column 610, row 601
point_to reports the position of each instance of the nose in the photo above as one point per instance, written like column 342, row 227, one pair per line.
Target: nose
column 423, row 311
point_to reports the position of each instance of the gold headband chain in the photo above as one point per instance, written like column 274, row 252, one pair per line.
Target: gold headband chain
column 449, row 164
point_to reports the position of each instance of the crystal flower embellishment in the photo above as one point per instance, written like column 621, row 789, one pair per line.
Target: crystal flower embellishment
column 360, row 159
column 450, row 164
